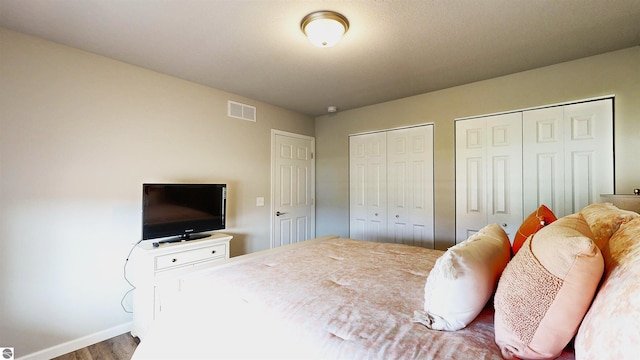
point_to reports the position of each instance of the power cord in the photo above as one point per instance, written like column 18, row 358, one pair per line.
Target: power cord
column 124, row 271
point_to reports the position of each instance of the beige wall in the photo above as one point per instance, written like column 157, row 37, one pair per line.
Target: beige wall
column 616, row 73
column 79, row 134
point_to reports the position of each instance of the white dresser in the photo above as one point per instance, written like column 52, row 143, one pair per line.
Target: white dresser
column 623, row 201
column 157, row 273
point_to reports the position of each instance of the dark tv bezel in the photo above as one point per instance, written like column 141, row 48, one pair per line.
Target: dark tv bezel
column 186, row 230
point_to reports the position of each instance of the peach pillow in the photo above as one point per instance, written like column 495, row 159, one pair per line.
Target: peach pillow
column 604, row 219
column 610, row 329
column 538, row 219
column 463, row 279
column 546, row 289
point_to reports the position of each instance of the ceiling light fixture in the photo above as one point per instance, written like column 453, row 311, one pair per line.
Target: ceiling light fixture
column 324, row 28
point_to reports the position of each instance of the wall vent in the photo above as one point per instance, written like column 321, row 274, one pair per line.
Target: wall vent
column 241, row 111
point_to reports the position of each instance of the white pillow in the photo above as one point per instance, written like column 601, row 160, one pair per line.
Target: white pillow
column 463, row 279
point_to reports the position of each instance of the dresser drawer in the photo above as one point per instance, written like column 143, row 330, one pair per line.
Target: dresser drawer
column 188, row 257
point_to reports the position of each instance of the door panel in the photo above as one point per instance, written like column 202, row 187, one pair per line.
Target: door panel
column 504, row 155
column 367, row 189
column 588, row 153
column 582, row 164
column 543, row 159
column 471, row 210
column 410, row 159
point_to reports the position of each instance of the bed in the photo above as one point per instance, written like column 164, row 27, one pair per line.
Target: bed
column 329, row 297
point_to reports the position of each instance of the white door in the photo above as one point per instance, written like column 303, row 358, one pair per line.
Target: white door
column 488, row 174
column 543, row 156
column 471, row 178
column 368, row 186
column 568, row 156
column 410, row 186
column 504, row 171
column 293, row 188
column 588, row 153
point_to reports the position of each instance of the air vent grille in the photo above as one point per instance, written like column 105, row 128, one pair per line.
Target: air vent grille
column 241, row 111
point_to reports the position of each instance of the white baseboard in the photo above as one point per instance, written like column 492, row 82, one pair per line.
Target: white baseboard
column 77, row 344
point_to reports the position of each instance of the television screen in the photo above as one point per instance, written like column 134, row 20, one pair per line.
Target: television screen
column 182, row 209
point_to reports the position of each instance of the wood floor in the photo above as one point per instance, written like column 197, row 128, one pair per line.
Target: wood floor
column 120, row 347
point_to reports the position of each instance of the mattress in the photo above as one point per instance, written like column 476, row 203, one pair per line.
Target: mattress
column 335, row 298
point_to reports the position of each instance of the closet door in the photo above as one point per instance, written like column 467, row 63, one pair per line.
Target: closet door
column 543, row 159
column 368, row 186
column 568, row 156
column 471, row 179
column 504, row 172
column 488, row 173
column 410, row 186
column 588, row 153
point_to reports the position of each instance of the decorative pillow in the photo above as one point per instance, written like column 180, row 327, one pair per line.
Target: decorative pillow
column 604, row 219
column 546, row 289
column 538, row 219
column 463, row 279
column 611, row 329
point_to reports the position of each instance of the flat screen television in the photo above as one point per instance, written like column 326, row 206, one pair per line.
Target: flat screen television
column 182, row 211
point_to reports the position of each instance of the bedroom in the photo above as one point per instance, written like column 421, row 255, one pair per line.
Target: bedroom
column 80, row 132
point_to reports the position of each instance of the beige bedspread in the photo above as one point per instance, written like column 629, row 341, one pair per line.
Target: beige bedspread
column 339, row 298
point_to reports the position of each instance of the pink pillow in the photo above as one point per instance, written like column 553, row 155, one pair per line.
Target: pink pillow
column 611, row 327
column 538, row 219
column 463, row 279
column 604, row 219
column 546, row 289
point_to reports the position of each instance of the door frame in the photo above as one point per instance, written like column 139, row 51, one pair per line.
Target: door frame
column 272, row 217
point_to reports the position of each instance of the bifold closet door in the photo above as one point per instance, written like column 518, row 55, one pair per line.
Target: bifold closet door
column 488, row 173
column 507, row 165
column 368, row 186
column 568, row 156
column 410, row 186
column 391, row 186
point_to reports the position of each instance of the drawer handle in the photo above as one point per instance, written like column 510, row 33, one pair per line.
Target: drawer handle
column 174, row 260
column 213, row 251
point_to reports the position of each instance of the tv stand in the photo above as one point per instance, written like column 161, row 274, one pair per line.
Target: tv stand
column 185, row 237
column 159, row 273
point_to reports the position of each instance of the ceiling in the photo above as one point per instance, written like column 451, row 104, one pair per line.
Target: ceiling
column 393, row 49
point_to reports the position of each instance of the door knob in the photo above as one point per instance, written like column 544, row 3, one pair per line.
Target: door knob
column 278, row 213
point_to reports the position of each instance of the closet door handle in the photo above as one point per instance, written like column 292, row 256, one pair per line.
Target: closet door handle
column 278, row 213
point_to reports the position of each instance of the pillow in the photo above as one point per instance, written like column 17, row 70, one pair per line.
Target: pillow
column 463, row 279
column 543, row 216
column 604, row 219
column 610, row 328
column 546, row 289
